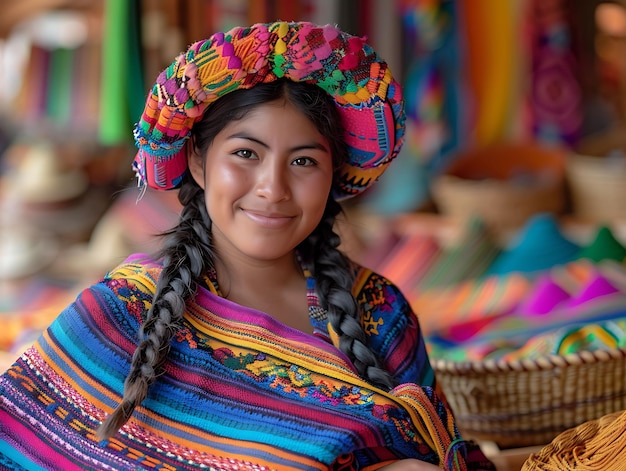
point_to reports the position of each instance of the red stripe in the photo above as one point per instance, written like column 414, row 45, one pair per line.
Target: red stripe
column 314, row 414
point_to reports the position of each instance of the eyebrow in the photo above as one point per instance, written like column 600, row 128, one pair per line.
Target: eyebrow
column 312, row 145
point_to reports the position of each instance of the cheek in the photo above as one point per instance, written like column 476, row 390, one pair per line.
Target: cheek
column 223, row 187
column 227, row 175
column 226, row 178
column 314, row 197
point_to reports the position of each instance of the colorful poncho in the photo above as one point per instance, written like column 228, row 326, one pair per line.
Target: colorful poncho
column 240, row 390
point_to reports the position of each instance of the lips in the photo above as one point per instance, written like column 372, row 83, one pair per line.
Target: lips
column 271, row 220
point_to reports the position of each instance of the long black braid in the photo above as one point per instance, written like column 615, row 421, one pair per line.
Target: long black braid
column 334, row 281
column 187, row 255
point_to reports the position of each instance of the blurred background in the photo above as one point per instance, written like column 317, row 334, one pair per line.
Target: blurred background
column 513, row 167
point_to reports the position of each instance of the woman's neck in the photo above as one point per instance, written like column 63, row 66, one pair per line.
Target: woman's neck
column 276, row 287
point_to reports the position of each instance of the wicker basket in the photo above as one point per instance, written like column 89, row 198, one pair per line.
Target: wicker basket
column 598, row 187
column 529, row 402
column 503, row 184
column 502, row 206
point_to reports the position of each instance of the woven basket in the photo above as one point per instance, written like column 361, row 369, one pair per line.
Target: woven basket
column 502, row 206
column 503, row 184
column 598, row 187
column 529, row 402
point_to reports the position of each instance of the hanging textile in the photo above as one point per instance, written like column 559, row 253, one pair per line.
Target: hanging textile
column 555, row 96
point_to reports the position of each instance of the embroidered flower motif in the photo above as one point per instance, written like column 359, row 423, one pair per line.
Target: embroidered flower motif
column 290, row 379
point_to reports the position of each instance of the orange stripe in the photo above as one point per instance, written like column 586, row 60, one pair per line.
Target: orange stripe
column 68, row 379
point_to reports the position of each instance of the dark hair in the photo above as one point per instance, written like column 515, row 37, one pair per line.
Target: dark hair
column 187, row 252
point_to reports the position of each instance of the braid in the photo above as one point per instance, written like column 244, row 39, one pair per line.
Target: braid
column 334, row 287
column 186, row 257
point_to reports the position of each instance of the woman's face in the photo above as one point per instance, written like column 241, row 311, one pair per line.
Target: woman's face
column 266, row 179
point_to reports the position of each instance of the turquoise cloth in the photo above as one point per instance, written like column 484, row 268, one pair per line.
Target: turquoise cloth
column 539, row 246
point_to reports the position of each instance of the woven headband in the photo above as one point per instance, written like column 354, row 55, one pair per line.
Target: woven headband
column 368, row 98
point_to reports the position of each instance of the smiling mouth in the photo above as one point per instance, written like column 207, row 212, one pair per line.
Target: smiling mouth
column 269, row 220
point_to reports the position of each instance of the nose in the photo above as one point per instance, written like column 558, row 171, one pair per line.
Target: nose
column 273, row 182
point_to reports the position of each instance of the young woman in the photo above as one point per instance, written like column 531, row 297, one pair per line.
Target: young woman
column 251, row 341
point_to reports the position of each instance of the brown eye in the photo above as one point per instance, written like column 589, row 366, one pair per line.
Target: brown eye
column 245, row 154
column 303, row 162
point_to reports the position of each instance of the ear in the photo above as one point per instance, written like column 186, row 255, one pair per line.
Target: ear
column 195, row 163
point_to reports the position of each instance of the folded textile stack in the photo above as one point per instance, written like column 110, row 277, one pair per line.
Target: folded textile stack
column 540, row 245
column 469, row 258
column 458, row 288
column 558, row 315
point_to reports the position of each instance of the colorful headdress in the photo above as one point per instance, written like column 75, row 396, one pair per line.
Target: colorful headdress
column 368, row 98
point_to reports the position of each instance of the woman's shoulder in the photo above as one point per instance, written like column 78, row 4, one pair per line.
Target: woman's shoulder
column 368, row 280
column 117, row 302
column 392, row 327
column 378, row 296
column 133, row 281
column 140, row 267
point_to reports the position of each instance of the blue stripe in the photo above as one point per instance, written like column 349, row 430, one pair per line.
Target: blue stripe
column 6, row 449
column 254, row 424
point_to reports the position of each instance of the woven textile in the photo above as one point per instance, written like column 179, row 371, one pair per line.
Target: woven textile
column 603, row 246
column 240, row 390
column 367, row 97
column 468, row 259
column 593, row 318
column 540, row 245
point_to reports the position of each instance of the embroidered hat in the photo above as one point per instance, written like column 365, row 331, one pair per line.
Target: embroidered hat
column 368, row 98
